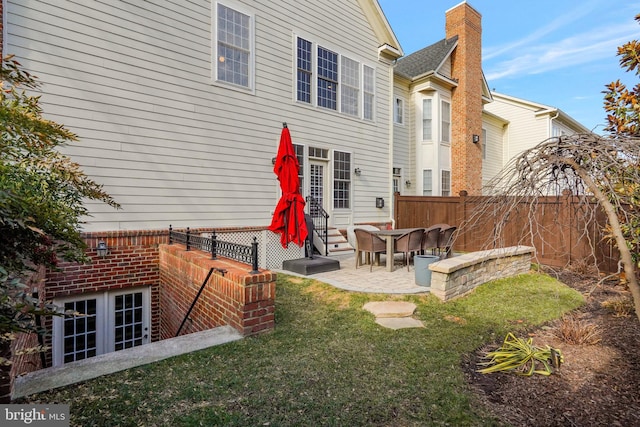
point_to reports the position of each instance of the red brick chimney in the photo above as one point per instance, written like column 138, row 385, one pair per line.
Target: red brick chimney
column 466, row 103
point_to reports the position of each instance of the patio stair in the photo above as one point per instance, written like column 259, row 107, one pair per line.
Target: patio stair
column 337, row 244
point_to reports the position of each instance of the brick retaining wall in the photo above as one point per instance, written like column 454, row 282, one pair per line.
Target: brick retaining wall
column 239, row 299
column 457, row 276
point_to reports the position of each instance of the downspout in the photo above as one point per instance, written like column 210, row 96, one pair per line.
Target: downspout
column 392, row 205
column 551, row 119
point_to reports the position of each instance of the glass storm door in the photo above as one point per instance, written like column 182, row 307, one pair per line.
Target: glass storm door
column 317, row 179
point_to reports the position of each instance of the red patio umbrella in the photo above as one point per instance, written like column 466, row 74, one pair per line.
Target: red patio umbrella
column 288, row 219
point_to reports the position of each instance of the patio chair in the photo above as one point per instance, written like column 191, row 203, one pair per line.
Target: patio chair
column 369, row 243
column 409, row 243
column 445, row 241
column 430, row 240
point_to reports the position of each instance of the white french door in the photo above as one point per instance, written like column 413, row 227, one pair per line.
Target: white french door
column 105, row 322
column 318, row 182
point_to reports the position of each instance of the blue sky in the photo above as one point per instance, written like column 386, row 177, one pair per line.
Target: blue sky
column 559, row 53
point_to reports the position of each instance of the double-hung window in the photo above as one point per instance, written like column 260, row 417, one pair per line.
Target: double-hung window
column 427, row 182
column 350, row 92
column 445, row 183
column 342, row 180
column 398, row 111
column 445, row 124
column 234, row 47
column 427, row 120
column 327, row 79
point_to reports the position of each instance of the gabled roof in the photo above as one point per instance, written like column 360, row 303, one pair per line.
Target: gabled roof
column 389, row 44
column 427, row 60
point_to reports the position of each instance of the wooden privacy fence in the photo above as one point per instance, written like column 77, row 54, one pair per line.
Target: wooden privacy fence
column 563, row 229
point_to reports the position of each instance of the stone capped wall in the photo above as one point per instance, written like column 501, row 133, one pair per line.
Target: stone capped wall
column 457, row 276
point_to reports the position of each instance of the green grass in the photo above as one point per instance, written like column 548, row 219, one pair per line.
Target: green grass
column 327, row 363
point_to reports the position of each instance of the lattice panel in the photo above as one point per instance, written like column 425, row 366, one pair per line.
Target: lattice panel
column 271, row 254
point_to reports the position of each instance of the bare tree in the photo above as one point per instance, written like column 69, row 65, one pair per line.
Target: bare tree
column 602, row 173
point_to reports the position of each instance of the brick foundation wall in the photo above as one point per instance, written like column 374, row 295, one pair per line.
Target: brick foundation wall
column 239, row 299
column 466, row 103
column 457, row 276
column 132, row 261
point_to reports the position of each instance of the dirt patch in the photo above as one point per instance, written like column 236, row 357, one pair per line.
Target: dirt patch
column 597, row 385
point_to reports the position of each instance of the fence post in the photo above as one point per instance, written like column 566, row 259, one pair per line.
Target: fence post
column 188, row 239
column 214, row 245
column 254, row 256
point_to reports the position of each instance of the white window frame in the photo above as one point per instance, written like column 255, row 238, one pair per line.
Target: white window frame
column 350, row 87
column 427, row 173
column 445, row 121
column 398, row 110
column 365, row 86
column 445, row 184
column 230, row 4
column 105, row 320
column 426, row 119
column 347, row 178
column 396, row 182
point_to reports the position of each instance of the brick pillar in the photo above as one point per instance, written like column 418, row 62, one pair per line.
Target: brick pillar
column 466, row 103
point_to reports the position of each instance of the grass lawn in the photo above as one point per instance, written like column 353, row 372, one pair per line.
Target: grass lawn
column 327, row 363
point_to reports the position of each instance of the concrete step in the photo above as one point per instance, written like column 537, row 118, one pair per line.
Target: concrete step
column 93, row 367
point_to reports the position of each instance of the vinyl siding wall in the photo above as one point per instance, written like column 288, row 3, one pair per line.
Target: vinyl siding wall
column 133, row 80
column 493, row 163
column 525, row 129
column 403, row 149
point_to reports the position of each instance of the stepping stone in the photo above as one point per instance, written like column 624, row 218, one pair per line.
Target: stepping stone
column 391, row 309
column 399, row 322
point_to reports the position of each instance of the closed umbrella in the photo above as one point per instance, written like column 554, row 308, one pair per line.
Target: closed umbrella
column 288, row 219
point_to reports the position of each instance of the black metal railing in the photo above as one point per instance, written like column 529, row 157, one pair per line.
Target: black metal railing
column 217, row 247
column 320, row 219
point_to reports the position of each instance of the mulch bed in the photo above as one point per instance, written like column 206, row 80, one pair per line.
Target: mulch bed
column 597, row 385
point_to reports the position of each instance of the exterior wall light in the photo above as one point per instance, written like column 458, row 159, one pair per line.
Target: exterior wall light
column 407, row 183
column 357, row 171
column 476, row 138
column 102, row 249
column 379, row 202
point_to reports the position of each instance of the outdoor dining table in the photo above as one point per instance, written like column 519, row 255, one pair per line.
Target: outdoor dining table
column 390, row 236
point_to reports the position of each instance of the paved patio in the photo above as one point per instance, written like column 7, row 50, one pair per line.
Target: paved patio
column 377, row 281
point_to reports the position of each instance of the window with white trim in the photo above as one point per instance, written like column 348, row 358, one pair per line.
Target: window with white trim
column 340, row 83
column 305, row 72
column 398, row 111
column 299, row 150
column 350, row 88
column 445, row 183
column 106, row 322
column 427, row 182
column 426, row 120
column 369, row 92
column 341, row 180
column 233, row 46
column 327, row 78
column 445, row 114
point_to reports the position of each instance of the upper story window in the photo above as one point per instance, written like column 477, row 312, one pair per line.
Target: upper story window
column 445, row 113
column 397, row 178
column 327, row 79
column 369, row 92
column 426, row 120
column 305, row 62
column 350, row 86
column 234, row 47
column 333, row 81
column 398, row 111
